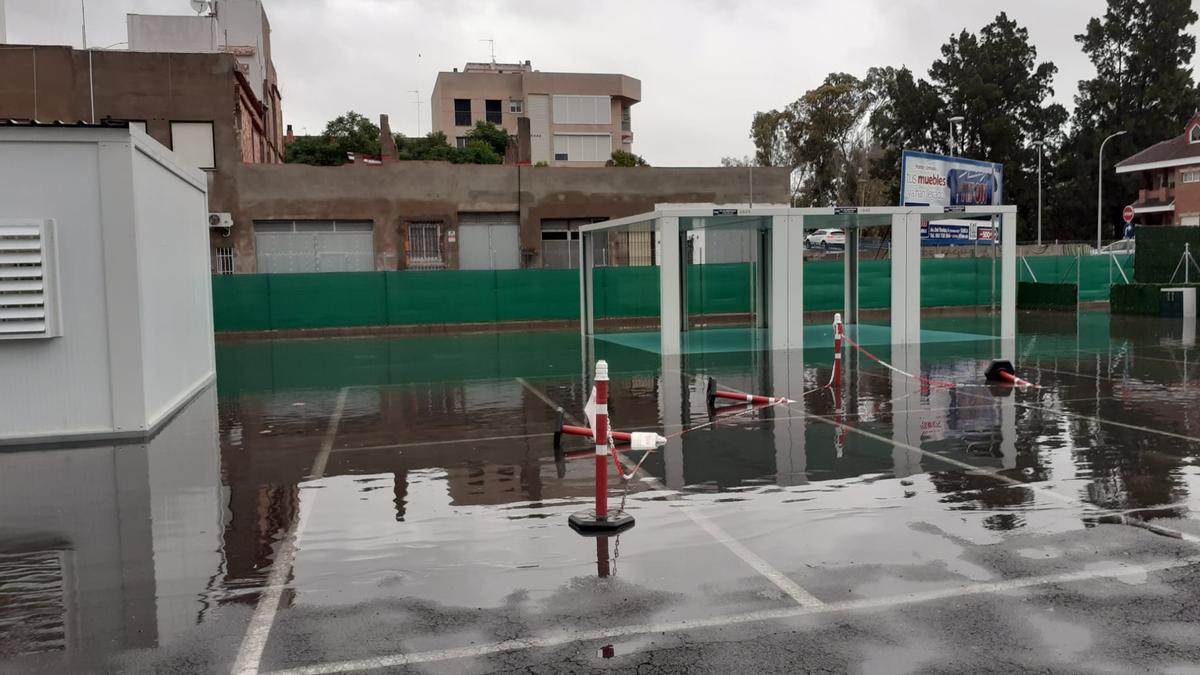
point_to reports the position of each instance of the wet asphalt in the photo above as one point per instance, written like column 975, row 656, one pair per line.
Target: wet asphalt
column 884, row 527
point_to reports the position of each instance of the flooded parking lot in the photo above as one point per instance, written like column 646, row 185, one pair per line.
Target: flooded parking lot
column 355, row 503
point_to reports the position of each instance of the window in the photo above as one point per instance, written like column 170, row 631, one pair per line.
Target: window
column 223, row 260
column 192, row 143
column 461, row 142
column 285, row 246
column 1195, row 135
column 583, row 147
column 462, row 112
column 515, row 106
column 1191, row 176
column 583, row 110
column 425, row 246
column 491, row 111
column 560, row 243
column 626, row 121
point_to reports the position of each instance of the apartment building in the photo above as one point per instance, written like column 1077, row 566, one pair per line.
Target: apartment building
column 1170, row 175
column 575, row 119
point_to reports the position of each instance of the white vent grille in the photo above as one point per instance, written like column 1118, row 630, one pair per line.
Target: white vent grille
column 27, row 307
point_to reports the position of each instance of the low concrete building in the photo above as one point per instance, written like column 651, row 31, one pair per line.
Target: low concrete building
column 106, row 323
column 437, row 215
column 575, row 119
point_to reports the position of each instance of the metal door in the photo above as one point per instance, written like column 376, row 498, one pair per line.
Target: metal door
column 488, row 241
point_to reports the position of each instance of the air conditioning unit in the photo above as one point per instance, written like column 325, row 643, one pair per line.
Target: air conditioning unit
column 224, row 220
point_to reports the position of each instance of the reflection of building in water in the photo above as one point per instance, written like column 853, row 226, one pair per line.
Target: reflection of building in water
column 110, row 546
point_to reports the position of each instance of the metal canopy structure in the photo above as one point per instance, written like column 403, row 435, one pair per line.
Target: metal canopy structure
column 781, row 251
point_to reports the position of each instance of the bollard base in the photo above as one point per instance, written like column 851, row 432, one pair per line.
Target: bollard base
column 994, row 371
column 587, row 524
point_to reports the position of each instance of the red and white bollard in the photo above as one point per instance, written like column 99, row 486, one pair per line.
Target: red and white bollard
column 837, row 350
column 599, row 520
column 712, row 394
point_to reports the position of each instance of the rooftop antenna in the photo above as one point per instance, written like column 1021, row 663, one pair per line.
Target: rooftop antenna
column 202, row 7
column 492, row 44
column 418, row 93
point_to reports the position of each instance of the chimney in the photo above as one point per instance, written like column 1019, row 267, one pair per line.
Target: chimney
column 387, row 142
column 290, row 136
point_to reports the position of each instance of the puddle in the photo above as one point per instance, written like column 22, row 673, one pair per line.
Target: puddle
column 442, row 497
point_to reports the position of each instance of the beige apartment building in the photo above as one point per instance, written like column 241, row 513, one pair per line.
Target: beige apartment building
column 575, row 119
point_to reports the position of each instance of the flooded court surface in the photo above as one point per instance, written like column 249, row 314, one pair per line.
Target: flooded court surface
column 347, row 504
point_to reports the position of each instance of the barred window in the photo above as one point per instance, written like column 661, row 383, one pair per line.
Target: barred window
column 425, row 246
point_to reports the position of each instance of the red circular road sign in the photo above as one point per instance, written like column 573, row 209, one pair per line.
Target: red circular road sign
column 1127, row 214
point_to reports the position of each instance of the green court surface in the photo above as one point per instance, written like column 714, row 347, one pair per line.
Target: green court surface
column 742, row 339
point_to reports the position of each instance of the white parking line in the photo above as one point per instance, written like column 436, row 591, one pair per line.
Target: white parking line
column 249, row 655
column 557, row 639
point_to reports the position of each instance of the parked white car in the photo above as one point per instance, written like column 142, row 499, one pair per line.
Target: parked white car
column 1121, row 247
column 826, row 238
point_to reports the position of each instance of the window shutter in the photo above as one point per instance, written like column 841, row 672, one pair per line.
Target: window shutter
column 27, row 301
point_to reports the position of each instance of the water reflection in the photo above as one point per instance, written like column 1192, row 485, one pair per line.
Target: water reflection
column 114, row 548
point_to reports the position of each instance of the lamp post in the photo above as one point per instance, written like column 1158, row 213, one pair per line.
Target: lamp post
column 1039, row 225
column 418, row 93
column 957, row 119
column 1100, row 189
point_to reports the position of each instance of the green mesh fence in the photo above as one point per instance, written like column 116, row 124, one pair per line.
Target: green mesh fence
column 1159, row 250
column 279, row 301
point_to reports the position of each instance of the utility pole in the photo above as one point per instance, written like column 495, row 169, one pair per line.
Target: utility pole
column 953, row 122
column 418, row 93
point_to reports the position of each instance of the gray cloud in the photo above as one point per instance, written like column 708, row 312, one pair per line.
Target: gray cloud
column 706, row 65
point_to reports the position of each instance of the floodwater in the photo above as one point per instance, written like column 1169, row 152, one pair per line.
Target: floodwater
column 397, row 503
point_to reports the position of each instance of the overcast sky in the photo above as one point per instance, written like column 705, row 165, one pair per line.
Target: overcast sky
column 706, row 65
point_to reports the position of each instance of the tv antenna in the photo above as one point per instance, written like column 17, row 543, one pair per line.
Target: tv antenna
column 491, row 43
column 418, row 93
column 202, row 7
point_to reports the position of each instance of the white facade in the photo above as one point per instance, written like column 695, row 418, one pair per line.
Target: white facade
column 237, row 27
column 131, row 287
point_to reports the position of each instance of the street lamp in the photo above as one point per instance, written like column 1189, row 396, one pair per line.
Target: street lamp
column 1100, row 188
column 957, row 119
column 1039, row 227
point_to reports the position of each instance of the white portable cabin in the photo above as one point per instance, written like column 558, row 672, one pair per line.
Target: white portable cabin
column 105, row 296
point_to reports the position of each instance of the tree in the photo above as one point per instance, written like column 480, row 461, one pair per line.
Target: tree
column 477, row 152
column 1141, row 50
column 344, row 134
column 766, row 131
column 314, row 150
column 904, row 118
column 353, row 133
column 491, row 135
column 431, row 147
column 995, row 82
column 622, row 158
column 737, row 161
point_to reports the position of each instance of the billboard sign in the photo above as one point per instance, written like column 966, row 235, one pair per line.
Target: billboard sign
column 946, row 233
column 937, row 180
column 955, row 232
